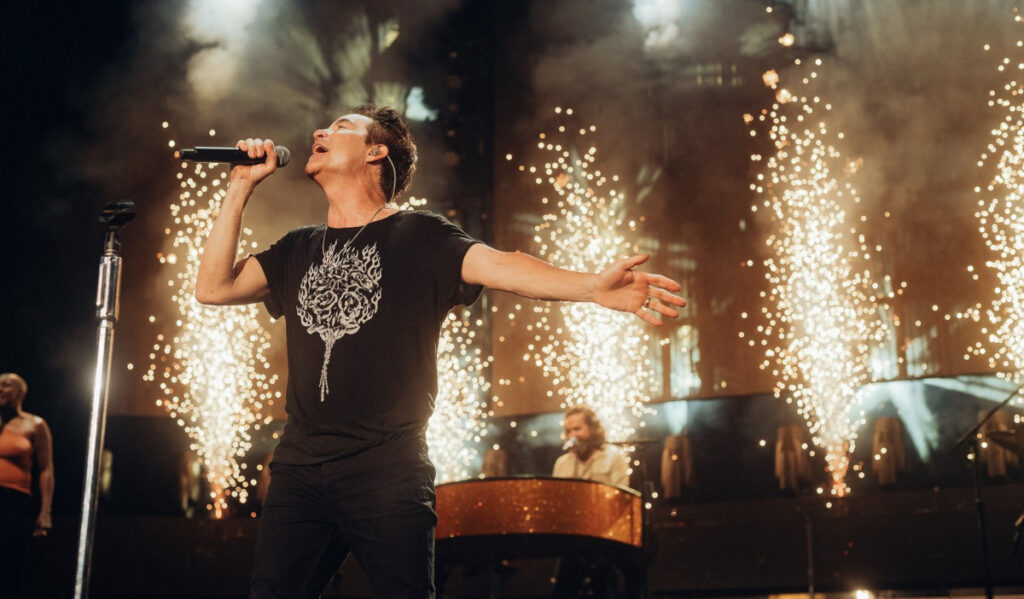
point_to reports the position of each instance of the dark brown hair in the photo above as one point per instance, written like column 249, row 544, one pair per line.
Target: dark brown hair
column 390, row 129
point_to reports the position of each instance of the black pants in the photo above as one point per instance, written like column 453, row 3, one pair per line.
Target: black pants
column 16, row 524
column 378, row 505
column 576, row 574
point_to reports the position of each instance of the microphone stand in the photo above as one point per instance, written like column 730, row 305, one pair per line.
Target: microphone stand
column 645, row 523
column 115, row 216
column 971, row 437
column 646, row 530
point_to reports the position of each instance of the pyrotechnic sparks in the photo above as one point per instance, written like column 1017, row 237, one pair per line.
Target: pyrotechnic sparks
column 821, row 320
column 1001, row 221
column 460, row 408
column 591, row 355
column 213, row 373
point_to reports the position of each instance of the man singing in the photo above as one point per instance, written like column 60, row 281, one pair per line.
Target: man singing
column 364, row 297
column 589, row 456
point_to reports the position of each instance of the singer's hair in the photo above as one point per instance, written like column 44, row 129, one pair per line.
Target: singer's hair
column 390, row 129
column 597, row 434
column 21, row 383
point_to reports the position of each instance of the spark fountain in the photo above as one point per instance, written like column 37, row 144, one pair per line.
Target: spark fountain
column 460, row 408
column 590, row 355
column 1000, row 217
column 212, row 370
column 822, row 317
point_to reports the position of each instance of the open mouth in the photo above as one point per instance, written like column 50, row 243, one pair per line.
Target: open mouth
column 319, row 148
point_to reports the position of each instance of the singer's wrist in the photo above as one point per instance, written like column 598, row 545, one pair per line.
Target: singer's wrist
column 240, row 189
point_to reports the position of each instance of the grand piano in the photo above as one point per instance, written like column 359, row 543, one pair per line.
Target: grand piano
column 483, row 522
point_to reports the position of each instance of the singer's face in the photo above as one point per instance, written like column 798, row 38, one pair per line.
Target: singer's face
column 339, row 147
column 576, row 426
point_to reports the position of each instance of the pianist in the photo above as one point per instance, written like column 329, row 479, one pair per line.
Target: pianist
column 589, row 456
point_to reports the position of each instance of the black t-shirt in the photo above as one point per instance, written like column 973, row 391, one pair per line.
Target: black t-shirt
column 362, row 324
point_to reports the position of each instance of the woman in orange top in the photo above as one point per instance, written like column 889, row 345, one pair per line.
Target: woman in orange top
column 24, row 441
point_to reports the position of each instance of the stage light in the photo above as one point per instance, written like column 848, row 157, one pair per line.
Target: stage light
column 416, row 109
column 387, row 34
column 652, row 13
column 223, row 27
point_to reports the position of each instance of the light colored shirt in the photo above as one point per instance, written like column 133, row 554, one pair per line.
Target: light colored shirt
column 607, row 465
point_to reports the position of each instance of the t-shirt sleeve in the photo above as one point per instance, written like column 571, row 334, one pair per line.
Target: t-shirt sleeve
column 273, row 261
column 454, row 245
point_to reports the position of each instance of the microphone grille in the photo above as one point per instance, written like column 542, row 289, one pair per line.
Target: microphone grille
column 283, row 155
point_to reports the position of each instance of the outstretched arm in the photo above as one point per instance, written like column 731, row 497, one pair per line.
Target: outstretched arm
column 618, row 286
column 220, row 280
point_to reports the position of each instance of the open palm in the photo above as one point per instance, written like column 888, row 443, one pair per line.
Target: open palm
column 649, row 296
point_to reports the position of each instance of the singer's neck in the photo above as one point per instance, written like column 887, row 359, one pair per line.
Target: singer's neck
column 352, row 204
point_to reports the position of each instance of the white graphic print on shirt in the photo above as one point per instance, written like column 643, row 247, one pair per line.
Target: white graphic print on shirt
column 338, row 295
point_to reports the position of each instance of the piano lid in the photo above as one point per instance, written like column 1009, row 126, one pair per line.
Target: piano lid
column 541, row 505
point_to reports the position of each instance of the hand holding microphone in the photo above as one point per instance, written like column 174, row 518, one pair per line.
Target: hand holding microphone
column 261, row 160
column 570, row 443
column 232, row 155
column 252, row 159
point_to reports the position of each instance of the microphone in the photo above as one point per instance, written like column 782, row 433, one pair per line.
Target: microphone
column 569, row 443
column 232, row 155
